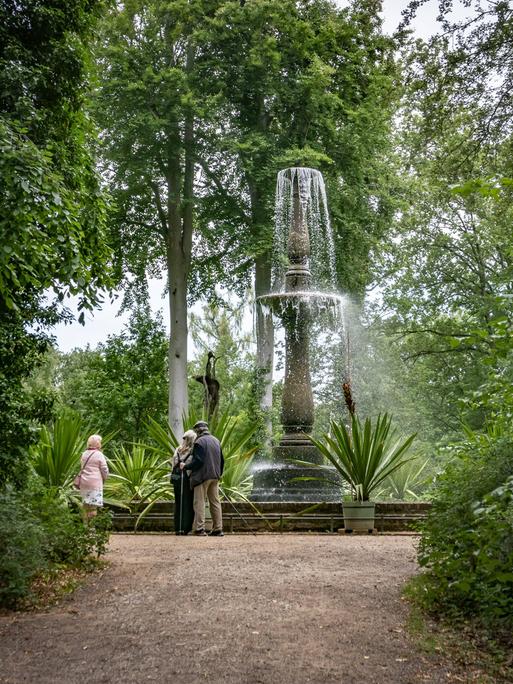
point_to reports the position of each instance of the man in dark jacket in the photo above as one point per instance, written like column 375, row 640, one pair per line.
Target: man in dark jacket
column 207, row 467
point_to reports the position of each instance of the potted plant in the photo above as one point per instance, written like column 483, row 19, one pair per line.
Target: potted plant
column 364, row 456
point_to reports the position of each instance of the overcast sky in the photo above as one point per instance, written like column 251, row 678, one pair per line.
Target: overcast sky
column 106, row 322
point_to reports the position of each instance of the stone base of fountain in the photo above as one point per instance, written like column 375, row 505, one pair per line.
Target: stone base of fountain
column 282, row 480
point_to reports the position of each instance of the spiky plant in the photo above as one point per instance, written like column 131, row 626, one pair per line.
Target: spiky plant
column 366, row 456
column 138, row 479
column 236, row 481
column 407, row 482
column 55, row 457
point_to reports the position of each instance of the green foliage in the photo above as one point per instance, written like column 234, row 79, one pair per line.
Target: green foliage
column 52, row 211
column 236, row 481
column 56, row 456
column 164, row 439
column 20, row 410
column 123, row 380
column 301, row 83
column 38, row 532
column 138, row 478
column 409, row 482
column 467, row 542
column 466, row 64
column 52, row 224
column 72, row 542
column 445, row 271
column 232, row 91
column 22, row 540
column 52, row 234
column 367, row 455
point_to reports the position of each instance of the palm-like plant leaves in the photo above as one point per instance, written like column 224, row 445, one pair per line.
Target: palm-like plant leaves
column 137, row 480
column 236, row 481
column 56, row 456
column 407, row 481
column 366, row 456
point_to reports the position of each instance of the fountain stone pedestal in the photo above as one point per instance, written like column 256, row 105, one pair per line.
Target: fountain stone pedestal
column 283, row 479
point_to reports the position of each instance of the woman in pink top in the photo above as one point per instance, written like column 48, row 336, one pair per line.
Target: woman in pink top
column 93, row 473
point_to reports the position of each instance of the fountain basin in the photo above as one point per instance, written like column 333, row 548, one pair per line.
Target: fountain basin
column 315, row 303
column 291, row 482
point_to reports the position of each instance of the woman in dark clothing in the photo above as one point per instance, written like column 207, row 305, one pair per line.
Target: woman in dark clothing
column 184, row 495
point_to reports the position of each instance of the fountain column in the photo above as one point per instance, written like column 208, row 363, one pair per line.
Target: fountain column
column 284, row 479
column 297, row 410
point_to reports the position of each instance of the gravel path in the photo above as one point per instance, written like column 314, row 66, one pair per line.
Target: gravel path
column 241, row 609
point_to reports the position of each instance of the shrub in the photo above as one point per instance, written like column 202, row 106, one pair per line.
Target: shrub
column 56, row 455
column 22, row 540
column 467, row 540
column 366, row 455
column 69, row 541
column 38, row 531
column 410, row 482
column 138, row 479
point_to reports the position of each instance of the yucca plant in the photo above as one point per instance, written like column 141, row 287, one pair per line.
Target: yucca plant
column 237, row 480
column 56, row 456
column 138, row 479
column 366, row 456
column 407, row 481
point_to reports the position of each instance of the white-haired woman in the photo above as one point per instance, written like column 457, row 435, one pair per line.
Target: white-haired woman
column 184, row 495
column 93, row 473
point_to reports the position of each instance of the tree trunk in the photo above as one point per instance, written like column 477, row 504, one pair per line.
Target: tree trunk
column 178, row 394
column 180, row 183
column 177, row 269
column 265, row 342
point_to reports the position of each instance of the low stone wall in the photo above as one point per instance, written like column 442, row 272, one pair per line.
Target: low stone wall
column 395, row 516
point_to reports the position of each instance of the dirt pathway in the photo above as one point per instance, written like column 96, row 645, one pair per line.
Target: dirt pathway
column 241, row 609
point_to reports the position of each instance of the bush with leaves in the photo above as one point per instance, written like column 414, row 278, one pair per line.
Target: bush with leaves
column 467, row 541
column 69, row 541
column 139, row 477
column 40, row 531
column 22, row 540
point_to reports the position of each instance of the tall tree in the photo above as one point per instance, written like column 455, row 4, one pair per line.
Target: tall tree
column 202, row 104
column 446, row 272
column 52, row 212
column 119, row 384
column 467, row 65
column 304, row 83
column 152, row 107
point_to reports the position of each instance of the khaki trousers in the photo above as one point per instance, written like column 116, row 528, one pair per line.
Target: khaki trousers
column 210, row 489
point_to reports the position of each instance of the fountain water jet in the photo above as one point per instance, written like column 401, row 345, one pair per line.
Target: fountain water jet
column 303, row 234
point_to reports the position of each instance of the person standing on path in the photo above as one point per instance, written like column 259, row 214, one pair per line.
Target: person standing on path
column 206, row 468
column 180, row 479
column 93, row 473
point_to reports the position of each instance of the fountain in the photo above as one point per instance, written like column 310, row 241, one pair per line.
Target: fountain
column 303, row 235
